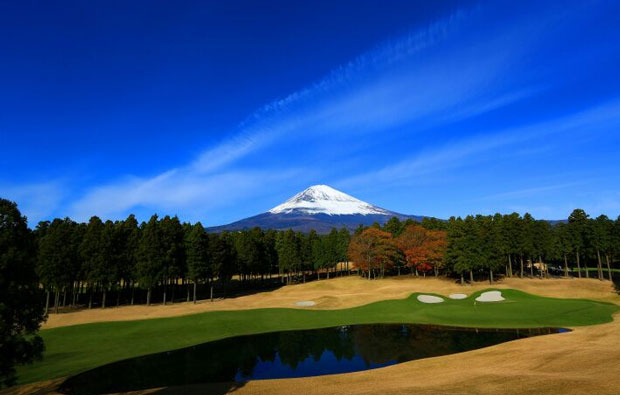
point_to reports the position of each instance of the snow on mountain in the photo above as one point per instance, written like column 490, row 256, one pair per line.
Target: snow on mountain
column 319, row 208
column 323, row 199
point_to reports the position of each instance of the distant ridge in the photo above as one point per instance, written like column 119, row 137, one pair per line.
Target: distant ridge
column 319, row 207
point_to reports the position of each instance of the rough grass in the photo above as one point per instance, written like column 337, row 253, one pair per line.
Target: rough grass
column 73, row 349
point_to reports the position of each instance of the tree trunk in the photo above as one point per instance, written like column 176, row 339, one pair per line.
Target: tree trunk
column 521, row 260
column 599, row 265
column 462, row 279
column 103, row 298
column 56, row 301
column 509, row 265
column 565, row 266
column 174, row 285
column 585, row 265
column 148, row 297
column 118, row 295
column 90, row 299
column 578, row 265
column 608, row 267
column 490, row 276
column 328, row 273
column 187, row 289
column 133, row 289
column 540, row 261
column 399, row 271
column 471, row 277
column 211, row 293
column 64, row 296
column 73, row 294
column 194, row 291
column 532, row 267
column 47, row 300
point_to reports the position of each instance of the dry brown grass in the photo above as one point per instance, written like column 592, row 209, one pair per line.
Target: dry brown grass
column 583, row 361
column 338, row 293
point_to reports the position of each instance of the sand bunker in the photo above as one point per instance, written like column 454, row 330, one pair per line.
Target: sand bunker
column 457, row 296
column 305, row 303
column 429, row 299
column 490, row 296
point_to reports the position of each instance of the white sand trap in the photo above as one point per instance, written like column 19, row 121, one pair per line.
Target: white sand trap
column 457, row 296
column 429, row 299
column 305, row 303
column 490, row 296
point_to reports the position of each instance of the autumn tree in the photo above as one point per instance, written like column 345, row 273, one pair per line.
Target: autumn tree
column 423, row 248
column 373, row 250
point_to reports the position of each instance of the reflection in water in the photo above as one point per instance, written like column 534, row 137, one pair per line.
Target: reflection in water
column 290, row 354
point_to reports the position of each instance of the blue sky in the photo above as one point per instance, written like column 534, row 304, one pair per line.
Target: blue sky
column 216, row 111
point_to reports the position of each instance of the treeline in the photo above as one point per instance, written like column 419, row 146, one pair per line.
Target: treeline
column 113, row 262
column 124, row 258
column 480, row 245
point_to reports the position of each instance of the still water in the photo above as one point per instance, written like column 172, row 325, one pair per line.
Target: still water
column 285, row 354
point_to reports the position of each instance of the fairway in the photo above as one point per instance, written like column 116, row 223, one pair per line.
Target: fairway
column 73, row 349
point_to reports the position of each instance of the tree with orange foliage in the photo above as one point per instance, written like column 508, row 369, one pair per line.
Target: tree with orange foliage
column 424, row 249
column 373, row 249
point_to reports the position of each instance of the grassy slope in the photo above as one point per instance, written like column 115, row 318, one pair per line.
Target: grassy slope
column 594, row 269
column 77, row 348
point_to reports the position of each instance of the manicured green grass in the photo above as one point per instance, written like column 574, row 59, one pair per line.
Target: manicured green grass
column 594, row 269
column 73, row 349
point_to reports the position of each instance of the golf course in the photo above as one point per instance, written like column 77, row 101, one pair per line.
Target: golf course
column 75, row 342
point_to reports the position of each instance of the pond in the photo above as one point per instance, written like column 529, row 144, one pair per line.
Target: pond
column 286, row 354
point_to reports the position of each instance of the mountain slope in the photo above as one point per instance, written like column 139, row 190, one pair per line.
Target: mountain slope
column 318, row 207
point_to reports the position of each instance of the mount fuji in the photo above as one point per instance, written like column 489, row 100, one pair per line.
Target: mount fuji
column 319, row 207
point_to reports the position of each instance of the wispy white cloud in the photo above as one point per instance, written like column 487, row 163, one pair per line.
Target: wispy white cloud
column 431, row 77
column 174, row 191
column 600, row 119
column 526, row 192
column 36, row 200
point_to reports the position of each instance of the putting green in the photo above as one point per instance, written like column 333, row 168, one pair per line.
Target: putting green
column 73, row 349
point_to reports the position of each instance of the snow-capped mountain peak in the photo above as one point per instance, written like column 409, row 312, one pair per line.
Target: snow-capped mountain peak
column 323, row 199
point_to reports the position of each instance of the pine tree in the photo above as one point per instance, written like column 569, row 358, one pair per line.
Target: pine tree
column 578, row 225
column 393, row 226
column 21, row 307
column 58, row 261
column 602, row 228
column 174, row 265
column 150, row 257
column 197, row 252
column 288, row 252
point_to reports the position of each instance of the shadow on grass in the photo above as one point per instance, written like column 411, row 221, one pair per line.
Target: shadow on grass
column 209, row 388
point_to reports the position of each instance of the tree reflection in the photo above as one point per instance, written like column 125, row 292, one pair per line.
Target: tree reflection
column 288, row 354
